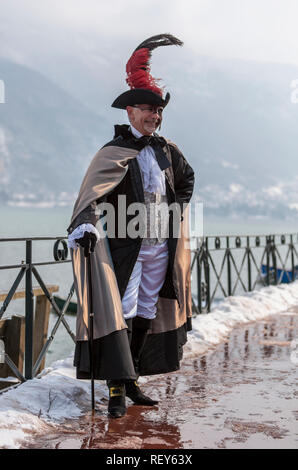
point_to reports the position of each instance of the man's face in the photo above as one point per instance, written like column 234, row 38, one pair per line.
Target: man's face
column 145, row 117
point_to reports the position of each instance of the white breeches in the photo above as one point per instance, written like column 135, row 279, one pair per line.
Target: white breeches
column 146, row 280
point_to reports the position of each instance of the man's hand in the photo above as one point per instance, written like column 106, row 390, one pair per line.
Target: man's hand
column 88, row 242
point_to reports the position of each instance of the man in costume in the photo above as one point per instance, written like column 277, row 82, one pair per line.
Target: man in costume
column 141, row 284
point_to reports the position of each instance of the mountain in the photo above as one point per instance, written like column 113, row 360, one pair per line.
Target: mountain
column 234, row 121
column 240, row 133
column 47, row 138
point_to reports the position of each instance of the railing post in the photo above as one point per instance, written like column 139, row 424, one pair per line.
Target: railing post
column 203, row 288
column 273, row 248
column 207, row 276
column 199, row 278
column 292, row 259
column 248, row 264
column 229, row 279
column 29, row 318
column 268, row 243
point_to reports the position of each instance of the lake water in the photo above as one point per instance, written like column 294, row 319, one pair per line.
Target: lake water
column 30, row 222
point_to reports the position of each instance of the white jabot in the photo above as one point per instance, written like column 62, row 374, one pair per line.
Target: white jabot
column 153, row 176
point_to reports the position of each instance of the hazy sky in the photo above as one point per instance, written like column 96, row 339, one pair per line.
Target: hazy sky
column 83, row 46
column 264, row 30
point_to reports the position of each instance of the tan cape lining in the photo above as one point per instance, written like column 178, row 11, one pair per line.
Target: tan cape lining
column 106, row 170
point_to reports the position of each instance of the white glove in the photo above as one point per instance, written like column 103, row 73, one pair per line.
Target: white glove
column 79, row 233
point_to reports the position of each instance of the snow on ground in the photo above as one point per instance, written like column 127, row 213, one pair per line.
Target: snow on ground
column 212, row 328
column 43, row 403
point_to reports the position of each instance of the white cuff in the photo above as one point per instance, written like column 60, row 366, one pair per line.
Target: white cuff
column 79, row 233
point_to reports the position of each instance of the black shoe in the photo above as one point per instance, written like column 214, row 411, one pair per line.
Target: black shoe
column 117, row 406
column 134, row 392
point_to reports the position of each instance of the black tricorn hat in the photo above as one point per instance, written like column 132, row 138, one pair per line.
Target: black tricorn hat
column 138, row 96
column 143, row 87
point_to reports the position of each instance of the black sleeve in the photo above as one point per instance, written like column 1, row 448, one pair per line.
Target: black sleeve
column 184, row 177
column 87, row 216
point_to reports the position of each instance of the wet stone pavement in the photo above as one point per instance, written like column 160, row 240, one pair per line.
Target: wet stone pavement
column 243, row 394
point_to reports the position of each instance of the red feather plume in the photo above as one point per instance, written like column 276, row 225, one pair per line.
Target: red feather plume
column 138, row 66
column 138, row 72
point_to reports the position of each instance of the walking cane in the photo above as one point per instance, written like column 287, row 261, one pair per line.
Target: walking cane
column 91, row 342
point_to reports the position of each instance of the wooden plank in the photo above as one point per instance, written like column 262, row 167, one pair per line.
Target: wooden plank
column 7, row 384
column 41, row 324
column 13, row 331
column 21, row 293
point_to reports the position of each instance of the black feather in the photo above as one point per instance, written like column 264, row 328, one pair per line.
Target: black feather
column 159, row 40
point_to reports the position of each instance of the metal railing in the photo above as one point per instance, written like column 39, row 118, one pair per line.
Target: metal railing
column 238, row 264
column 221, row 266
column 28, row 268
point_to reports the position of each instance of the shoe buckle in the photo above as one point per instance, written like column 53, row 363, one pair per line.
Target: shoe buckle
column 116, row 391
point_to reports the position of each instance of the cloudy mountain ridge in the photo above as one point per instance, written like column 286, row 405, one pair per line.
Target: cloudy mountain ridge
column 234, row 121
column 47, row 137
